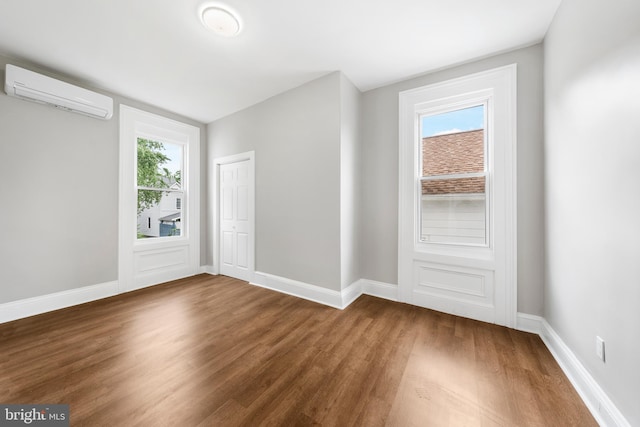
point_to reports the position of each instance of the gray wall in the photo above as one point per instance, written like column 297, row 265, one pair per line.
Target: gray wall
column 592, row 189
column 59, row 192
column 296, row 139
column 379, row 255
column 350, row 183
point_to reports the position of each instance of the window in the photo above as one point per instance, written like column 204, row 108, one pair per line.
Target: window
column 159, row 164
column 457, row 222
column 453, row 178
column 159, row 187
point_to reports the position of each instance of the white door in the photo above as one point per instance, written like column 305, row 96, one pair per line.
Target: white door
column 234, row 214
column 457, row 214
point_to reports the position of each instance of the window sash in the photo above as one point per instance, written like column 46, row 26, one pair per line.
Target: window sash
column 454, row 176
column 168, row 190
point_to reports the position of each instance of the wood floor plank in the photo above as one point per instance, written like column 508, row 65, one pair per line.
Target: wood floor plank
column 216, row 351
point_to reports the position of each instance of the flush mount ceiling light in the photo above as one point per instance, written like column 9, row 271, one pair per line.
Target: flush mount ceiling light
column 221, row 21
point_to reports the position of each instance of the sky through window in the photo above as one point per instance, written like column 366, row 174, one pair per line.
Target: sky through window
column 466, row 119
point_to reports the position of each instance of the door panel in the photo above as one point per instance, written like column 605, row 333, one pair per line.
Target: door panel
column 227, row 202
column 243, row 250
column 243, row 203
column 234, row 220
column 227, row 248
column 447, row 279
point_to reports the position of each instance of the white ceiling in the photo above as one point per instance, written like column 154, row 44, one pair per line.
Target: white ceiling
column 157, row 51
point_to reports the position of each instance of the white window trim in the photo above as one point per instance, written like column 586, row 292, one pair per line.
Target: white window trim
column 145, row 262
column 412, row 103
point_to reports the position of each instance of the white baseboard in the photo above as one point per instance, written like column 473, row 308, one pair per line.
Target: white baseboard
column 379, row 289
column 37, row 305
column 338, row 299
column 299, row 289
column 529, row 323
column 598, row 403
column 325, row 296
column 351, row 293
column 208, row 269
column 601, row 407
column 42, row 304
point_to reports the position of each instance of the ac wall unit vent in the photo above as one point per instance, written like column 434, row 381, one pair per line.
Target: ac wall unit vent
column 32, row 86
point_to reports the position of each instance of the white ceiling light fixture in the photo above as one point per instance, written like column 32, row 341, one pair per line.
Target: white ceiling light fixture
column 221, row 20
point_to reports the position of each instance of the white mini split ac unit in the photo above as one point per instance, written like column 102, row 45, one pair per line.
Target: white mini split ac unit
column 32, row 86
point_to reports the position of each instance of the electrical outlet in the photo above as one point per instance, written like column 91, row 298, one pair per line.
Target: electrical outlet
column 600, row 348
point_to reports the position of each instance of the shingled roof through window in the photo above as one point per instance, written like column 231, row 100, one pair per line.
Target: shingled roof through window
column 453, row 153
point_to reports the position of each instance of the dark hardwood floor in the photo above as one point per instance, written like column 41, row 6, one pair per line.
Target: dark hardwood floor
column 215, row 351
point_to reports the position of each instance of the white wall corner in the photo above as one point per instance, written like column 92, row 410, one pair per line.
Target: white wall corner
column 380, row 289
column 351, row 293
column 335, row 299
column 208, row 269
column 42, row 304
column 602, row 408
column 298, row 289
column 529, row 323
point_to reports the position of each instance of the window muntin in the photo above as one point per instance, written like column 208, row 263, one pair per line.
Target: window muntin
column 159, row 185
column 453, row 176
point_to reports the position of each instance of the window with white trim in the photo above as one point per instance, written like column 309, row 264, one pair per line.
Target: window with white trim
column 159, row 163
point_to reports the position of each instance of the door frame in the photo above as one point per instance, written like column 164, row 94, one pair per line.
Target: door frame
column 503, row 81
column 215, row 226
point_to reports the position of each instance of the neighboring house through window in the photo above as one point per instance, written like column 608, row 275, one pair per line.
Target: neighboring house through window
column 159, row 185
